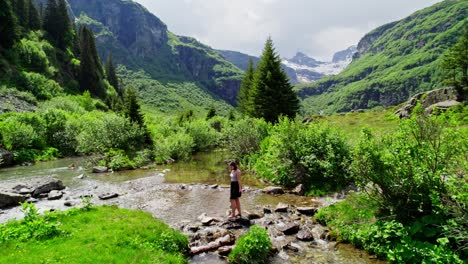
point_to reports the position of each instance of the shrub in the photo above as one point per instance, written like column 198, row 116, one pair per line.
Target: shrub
column 100, row 132
column 204, row 136
column 409, row 169
column 252, row 247
column 116, row 159
column 244, row 137
column 39, row 85
column 315, row 155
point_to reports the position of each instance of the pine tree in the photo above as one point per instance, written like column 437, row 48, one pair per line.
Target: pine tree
column 8, row 25
column 91, row 73
column 272, row 94
column 65, row 37
column 34, row 22
column 455, row 64
column 57, row 24
column 211, row 112
column 132, row 107
column 112, row 76
column 244, row 98
column 22, row 13
column 50, row 22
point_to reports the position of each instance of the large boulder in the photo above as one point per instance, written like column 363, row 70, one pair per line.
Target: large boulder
column 6, row 158
column 10, row 199
column 47, row 186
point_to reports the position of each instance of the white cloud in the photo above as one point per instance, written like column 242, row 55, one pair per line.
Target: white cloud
column 317, row 27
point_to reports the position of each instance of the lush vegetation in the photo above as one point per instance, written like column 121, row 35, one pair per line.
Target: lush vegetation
column 396, row 60
column 414, row 201
column 266, row 92
column 88, row 235
column 253, row 247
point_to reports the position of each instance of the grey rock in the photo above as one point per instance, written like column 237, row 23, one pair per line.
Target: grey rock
column 6, row 158
column 68, row 203
column 293, row 247
column 54, row 195
column 47, row 186
column 281, row 207
column 266, row 210
column 99, row 169
column 225, row 250
column 273, row 190
column 25, row 191
column 307, row 210
column 289, row 228
column 253, row 215
column 231, row 225
column 107, row 196
column 299, row 190
column 81, row 176
column 206, row 221
column 32, row 200
column 305, row 235
column 10, row 199
column 214, row 186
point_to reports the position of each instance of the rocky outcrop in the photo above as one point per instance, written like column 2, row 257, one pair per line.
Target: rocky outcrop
column 139, row 31
column 439, row 99
column 365, row 44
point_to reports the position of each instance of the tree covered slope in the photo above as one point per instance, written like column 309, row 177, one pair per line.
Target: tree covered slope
column 392, row 62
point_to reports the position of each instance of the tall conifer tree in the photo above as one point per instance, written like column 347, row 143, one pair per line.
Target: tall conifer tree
column 65, row 36
column 112, row 76
column 132, row 107
column 34, row 22
column 22, row 13
column 272, row 93
column 91, row 73
column 244, row 98
column 8, row 25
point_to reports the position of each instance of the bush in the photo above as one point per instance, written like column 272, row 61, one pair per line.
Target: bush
column 204, row 136
column 408, row 171
column 253, row 247
column 118, row 160
column 39, row 85
column 244, row 137
column 315, row 155
column 32, row 55
column 33, row 226
column 100, row 132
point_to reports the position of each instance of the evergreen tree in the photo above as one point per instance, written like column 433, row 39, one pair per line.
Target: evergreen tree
column 455, row 64
column 272, row 94
column 132, row 107
column 112, row 76
column 65, row 37
column 22, row 13
column 91, row 73
column 244, row 98
column 34, row 22
column 8, row 25
column 51, row 20
column 211, row 112
column 57, row 24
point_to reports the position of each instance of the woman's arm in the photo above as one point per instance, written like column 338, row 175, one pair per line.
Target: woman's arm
column 239, row 180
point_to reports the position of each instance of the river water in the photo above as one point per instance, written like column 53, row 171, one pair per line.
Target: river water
column 175, row 193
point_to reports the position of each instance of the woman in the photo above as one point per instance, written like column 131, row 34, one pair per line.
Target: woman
column 236, row 190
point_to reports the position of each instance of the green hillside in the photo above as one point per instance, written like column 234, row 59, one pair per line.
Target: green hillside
column 139, row 41
column 393, row 62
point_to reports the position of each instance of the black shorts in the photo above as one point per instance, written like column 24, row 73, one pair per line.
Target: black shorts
column 235, row 190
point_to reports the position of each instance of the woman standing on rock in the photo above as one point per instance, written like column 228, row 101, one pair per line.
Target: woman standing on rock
column 236, row 190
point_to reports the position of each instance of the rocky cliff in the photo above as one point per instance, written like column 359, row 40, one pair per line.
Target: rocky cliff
column 140, row 41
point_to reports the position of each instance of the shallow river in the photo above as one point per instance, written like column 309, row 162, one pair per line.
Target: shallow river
column 175, row 193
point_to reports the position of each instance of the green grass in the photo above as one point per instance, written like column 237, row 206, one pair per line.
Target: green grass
column 380, row 121
column 101, row 235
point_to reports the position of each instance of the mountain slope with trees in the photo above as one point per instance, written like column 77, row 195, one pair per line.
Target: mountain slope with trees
column 392, row 62
column 139, row 40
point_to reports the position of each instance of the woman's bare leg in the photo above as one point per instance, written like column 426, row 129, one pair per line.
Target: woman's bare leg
column 233, row 208
column 238, row 206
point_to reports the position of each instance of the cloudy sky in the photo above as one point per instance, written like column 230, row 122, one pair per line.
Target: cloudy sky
column 318, row 28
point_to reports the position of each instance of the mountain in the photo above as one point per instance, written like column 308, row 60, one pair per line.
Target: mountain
column 140, row 41
column 300, row 68
column 309, row 69
column 392, row 62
